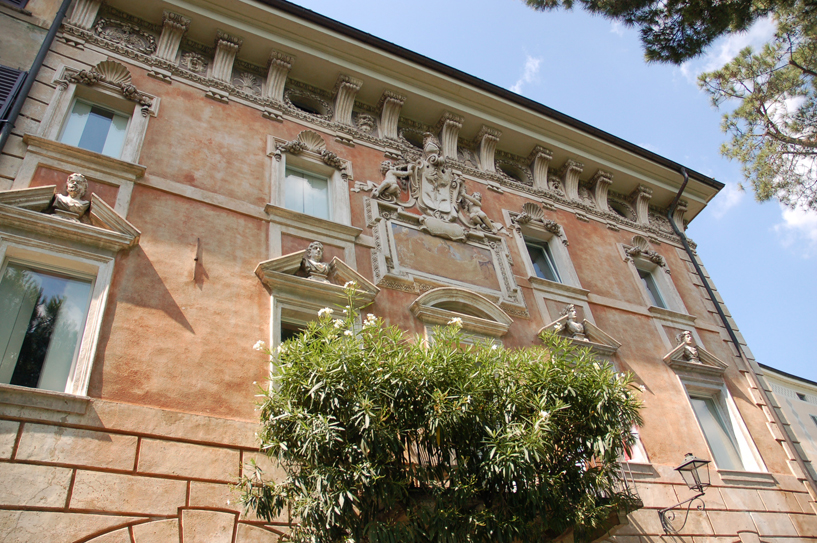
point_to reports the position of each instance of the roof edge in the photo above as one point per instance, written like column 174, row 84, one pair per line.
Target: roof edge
column 407, row 54
column 789, row 375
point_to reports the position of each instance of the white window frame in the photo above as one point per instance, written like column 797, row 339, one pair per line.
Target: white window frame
column 340, row 210
column 534, row 234
column 294, row 169
column 719, row 394
column 70, row 261
column 663, row 281
column 105, row 107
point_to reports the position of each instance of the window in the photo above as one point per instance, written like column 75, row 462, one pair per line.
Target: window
column 542, row 260
column 718, row 434
column 43, row 319
column 95, row 128
column 306, row 193
column 651, row 287
column 801, row 396
column 814, row 418
column 10, row 82
column 291, row 331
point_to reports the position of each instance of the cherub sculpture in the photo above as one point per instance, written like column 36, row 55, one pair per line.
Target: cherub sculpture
column 313, row 263
column 71, row 206
column 389, row 189
column 472, row 205
column 690, row 349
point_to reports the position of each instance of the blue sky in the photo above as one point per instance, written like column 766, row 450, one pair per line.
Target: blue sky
column 762, row 259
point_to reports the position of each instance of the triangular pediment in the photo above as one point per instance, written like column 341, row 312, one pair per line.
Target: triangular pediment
column 280, row 275
column 706, row 362
column 27, row 209
column 595, row 338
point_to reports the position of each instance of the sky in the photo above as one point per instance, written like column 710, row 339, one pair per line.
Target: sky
column 762, row 258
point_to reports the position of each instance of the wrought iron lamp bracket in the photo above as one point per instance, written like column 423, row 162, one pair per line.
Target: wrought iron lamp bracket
column 667, row 515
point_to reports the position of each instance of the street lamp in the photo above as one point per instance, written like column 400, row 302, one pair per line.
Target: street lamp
column 695, row 473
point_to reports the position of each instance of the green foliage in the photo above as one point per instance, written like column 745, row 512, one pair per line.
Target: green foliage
column 389, row 440
column 675, row 30
column 774, row 127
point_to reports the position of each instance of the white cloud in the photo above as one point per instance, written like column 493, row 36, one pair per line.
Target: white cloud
column 617, row 27
column 731, row 195
column 529, row 74
column 799, row 230
column 726, row 48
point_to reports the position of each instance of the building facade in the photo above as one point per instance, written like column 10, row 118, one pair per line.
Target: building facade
column 221, row 170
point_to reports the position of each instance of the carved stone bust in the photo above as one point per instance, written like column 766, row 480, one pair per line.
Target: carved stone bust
column 313, row 263
column 71, row 206
column 572, row 326
column 690, row 349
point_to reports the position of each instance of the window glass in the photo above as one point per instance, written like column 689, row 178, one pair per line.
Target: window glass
column 290, row 331
column 96, row 129
column 717, row 433
column 542, row 260
column 307, row 193
column 42, row 317
column 652, row 288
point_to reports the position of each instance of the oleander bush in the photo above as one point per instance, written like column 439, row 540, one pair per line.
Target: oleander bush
column 384, row 438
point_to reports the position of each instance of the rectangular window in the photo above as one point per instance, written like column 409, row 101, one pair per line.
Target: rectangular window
column 718, row 432
column 542, row 260
column 306, row 193
column 96, row 129
column 290, row 331
column 42, row 319
column 10, row 82
column 652, row 288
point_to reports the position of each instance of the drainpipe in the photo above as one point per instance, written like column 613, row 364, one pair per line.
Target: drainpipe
column 811, row 487
column 31, row 76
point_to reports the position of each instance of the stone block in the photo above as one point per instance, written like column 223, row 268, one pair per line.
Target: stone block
column 117, row 536
column 8, row 435
column 730, row 522
column 712, row 539
column 159, row 531
column 9, row 166
column 806, row 525
column 127, row 493
column 247, row 533
column 657, row 495
column 805, row 503
column 60, row 445
column 773, row 524
column 742, row 499
column 780, row 501
column 643, row 521
column 37, row 486
column 272, row 470
column 28, row 526
column 713, row 500
column 34, row 109
column 214, row 495
column 188, row 460
column 200, row 526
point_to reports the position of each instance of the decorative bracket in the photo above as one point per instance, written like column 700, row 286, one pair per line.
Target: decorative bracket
column 111, row 74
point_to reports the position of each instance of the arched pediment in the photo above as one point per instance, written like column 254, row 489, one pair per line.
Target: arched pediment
column 478, row 313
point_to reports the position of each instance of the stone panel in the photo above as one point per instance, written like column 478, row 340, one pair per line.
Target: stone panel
column 188, row 460
column 127, row 493
column 656, row 495
column 117, row 536
column 28, row 526
column 160, row 531
column 730, row 522
column 217, row 496
column 773, row 524
column 253, row 534
column 201, row 526
column 742, row 499
column 780, row 501
column 643, row 521
column 41, row 443
column 8, row 435
column 806, row 525
column 37, row 486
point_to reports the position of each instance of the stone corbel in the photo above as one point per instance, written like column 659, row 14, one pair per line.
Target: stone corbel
column 449, row 127
column 569, row 175
column 173, row 28
column 678, row 216
column 640, row 200
column 273, row 90
column 486, row 141
column 601, row 184
column 227, row 47
column 84, row 13
column 390, row 105
column 346, row 89
column 539, row 160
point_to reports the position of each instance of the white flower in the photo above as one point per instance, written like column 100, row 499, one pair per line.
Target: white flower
column 325, row 311
column 544, row 414
column 456, row 321
column 259, row 345
column 282, row 349
column 557, row 328
column 370, row 317
column 642, row 388
column 338, row 323
column 350, row 284
column 347, row 333
column 494, row 347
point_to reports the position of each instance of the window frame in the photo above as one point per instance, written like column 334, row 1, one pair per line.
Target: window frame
column 663, row 281
column 72, row 262
column 719, row 394
column 544, row 246
column 536, row 234
column 288, row 170
column 104, row 107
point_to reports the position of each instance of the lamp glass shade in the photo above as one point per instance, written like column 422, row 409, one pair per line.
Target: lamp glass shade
column 695, row 472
